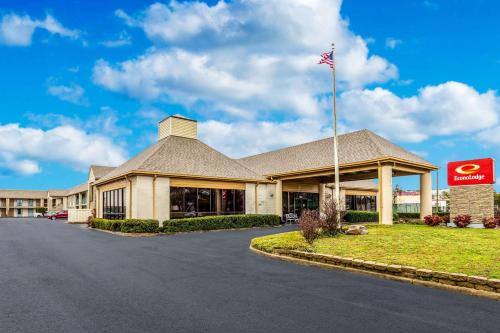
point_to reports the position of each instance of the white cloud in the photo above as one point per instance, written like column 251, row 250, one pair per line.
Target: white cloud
column 445, row 109
column 122, row 40
column 17, row 30
column 239, row 139
column 392, row 43
column 22, row 149
column 245, row 58
column 25, row 167
column 490, row 136
column 72, row 93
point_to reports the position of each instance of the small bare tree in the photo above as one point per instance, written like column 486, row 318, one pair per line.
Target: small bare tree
column 310, row 224
column 331, row 217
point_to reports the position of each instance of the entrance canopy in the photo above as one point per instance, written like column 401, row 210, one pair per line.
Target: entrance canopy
column 362, row 155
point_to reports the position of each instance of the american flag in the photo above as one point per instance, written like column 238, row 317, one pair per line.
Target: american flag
column 327, row 58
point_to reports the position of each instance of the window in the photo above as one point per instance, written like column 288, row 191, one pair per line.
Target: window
column 190, row 202
column 30, row 203
column 361, row 202
column 19, row 203
column 113, row 204
column 296, row 202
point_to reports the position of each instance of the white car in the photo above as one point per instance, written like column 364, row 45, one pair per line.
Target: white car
column 37, row 214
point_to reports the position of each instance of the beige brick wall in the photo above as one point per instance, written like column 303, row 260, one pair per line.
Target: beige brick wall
column 474, row 200
column 249, row 198
column 142, row 197
column 162, row 199
column 265, row 198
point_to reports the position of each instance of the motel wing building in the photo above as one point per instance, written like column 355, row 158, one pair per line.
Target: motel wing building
column 180, row 176
column 23, row 203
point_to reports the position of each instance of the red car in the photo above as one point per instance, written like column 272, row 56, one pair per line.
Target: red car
column 63, row 214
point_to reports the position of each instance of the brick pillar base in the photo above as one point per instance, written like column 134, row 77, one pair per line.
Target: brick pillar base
column 473, row 200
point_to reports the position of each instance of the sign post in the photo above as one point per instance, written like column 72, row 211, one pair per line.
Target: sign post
column 471, row 188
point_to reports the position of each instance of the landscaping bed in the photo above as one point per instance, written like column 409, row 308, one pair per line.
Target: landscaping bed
column 205, row 223
column 220, row 222
column 126, row 226
column 454, row 250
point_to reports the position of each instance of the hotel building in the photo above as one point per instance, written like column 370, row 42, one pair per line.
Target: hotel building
column 180, row 176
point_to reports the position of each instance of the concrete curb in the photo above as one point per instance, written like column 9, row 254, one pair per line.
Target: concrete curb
column 406, row 274
column 126, row 234
column 143, row 234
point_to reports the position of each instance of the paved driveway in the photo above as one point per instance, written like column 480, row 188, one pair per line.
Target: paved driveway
column 56, row 277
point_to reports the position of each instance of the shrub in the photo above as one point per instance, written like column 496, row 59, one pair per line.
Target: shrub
column 433, row 220
column 490, row 222
column 353, row 216
column 462, row 221
column 331, row 217
column 310, row 224
column 220, row 222
column 41, row 210
column 410, row 222
column 446, row 218
column 409, row 215
column 127, row 226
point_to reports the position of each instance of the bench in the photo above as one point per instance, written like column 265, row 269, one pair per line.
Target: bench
column 291, row 218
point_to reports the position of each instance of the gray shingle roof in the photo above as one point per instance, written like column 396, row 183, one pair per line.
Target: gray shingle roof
column 184, row 156
column 354, row 147
column 78, row 188
column 101, row 171
column 23, row 194
column 58, row 193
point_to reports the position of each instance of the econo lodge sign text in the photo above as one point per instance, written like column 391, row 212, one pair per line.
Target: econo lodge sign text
column 472, row 172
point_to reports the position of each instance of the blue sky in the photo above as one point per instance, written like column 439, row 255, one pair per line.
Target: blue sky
column 84, row 82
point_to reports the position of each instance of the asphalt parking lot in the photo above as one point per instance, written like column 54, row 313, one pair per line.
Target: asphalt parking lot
column 56, row 277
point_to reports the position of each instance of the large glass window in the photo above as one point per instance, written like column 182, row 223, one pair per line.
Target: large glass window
column 190, row 202
column 361, row 202
column 296, row 202
column 113, row 204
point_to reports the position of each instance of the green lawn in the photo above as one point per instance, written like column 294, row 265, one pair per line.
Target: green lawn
column 469, row 251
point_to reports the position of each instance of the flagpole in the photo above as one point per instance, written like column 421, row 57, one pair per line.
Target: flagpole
column 335, row 144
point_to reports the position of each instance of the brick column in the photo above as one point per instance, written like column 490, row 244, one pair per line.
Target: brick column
column 322, row 193
column 278, row 198
column 385, row 193
column 425, row 195
column 474, row 200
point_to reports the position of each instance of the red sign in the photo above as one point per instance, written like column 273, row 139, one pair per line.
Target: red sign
column 472, row 172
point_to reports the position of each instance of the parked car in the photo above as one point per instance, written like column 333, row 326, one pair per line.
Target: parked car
column 37, row 214
column 63, row 214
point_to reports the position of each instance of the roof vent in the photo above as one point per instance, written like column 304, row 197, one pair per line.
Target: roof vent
column 178, row 125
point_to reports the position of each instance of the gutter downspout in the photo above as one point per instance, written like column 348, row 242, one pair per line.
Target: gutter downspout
column 380, row 191
column 129, row 196
column 256, row 198
column 154, row 197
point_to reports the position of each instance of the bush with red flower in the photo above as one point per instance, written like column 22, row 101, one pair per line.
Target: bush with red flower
column 433, row 220
column 462, row 221
column 490, row 222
